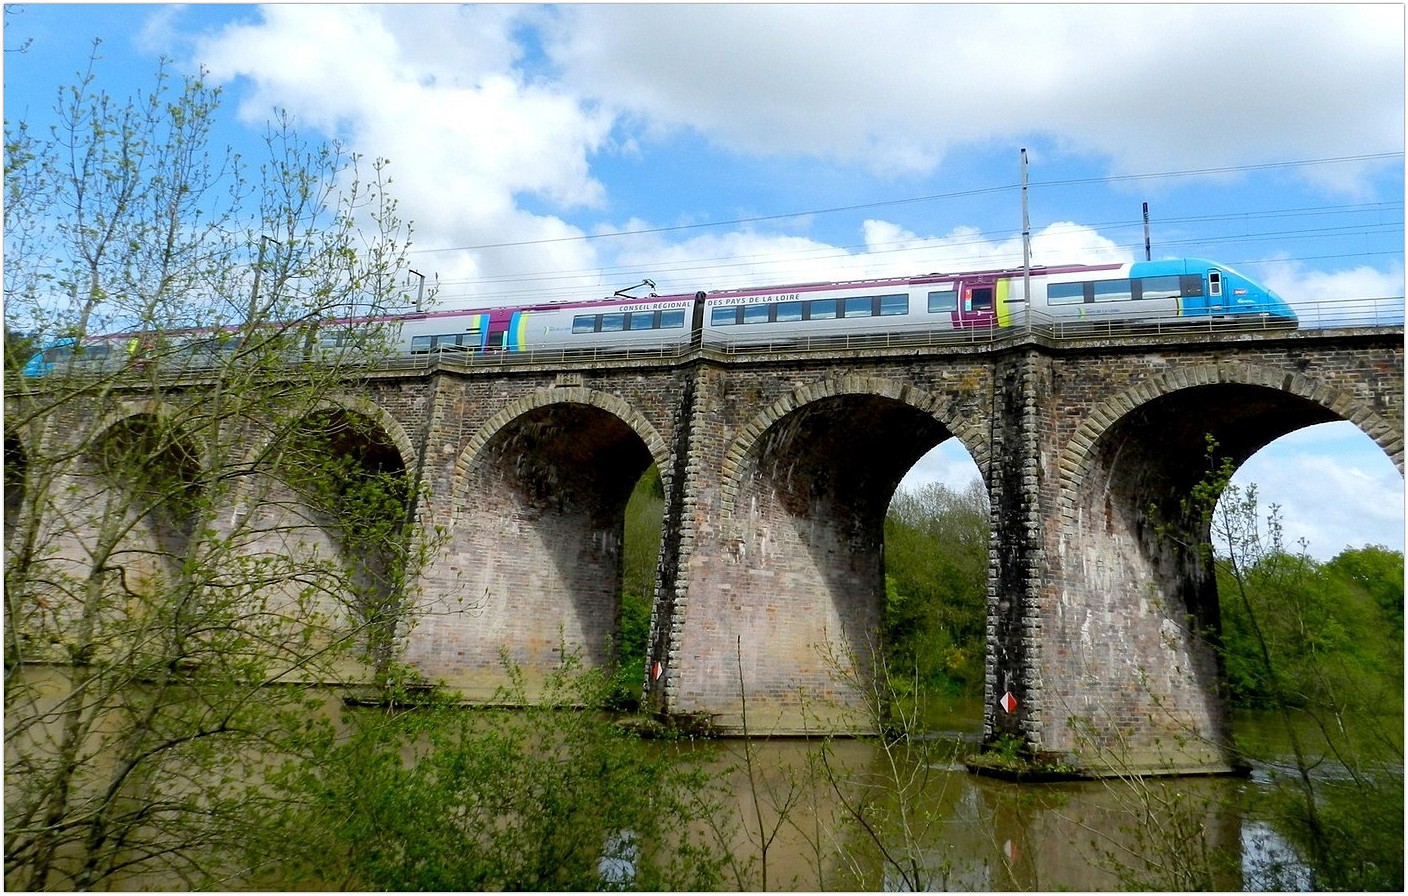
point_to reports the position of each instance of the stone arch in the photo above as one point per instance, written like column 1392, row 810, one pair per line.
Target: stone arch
column 1134, row 599
column 540, row 398
column 383, row 418
column 787, row 591
column 192, row 457
column 754, row 430
column 363, row 407
column 531, row 562
column 150, row 407
column 274, row 514
column 1078, row 458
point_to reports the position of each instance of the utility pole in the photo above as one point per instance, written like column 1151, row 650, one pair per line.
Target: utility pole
column 1026, row 249
column 1148, row 256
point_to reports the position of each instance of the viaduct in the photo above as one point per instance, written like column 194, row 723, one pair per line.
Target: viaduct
column 778, row 469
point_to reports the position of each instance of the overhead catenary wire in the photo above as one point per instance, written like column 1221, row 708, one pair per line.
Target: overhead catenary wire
column 975, row 238
column 885, row 203
column 713, row 272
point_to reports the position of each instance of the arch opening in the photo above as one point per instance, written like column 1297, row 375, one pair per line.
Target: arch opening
column 937, row 535
column 538, row 543
column 809, row 584
column 147, row 471
column 109, row 537
column 1335, row 488
column 640, row 570
column 1137, row 608
column 1308, row 541
column 16, row 471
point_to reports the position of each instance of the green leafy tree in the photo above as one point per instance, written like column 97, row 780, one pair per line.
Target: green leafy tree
column 173, row 580
column 645, row 511
column 936, row 558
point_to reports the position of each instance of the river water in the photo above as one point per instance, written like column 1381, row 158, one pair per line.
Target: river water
column 843, row 814
column 868, row 818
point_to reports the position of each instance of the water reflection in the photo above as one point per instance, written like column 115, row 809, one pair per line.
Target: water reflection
column 852, row 815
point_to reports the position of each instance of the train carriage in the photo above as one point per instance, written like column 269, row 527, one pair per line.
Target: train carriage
column 973, row 302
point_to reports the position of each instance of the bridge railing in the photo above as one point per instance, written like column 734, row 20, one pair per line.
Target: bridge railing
column 1385, row 311
column 670, row 351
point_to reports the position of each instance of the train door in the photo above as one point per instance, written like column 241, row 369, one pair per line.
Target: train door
column 1215, row 300
column 499, row 332
column 977, row 304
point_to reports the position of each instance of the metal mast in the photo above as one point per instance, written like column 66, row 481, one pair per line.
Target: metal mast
column 1148, row 250
column 1026, row 248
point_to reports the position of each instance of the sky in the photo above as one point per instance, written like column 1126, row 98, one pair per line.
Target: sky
column 546, row 152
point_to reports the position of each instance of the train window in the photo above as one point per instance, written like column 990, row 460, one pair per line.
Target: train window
column 943, row 300
column 858, row 306
column 55, row 355
column 96, row 352
column 1191, row 284
column 981, row 299
column 642, row 320
column 788, row 311
column 1159, row 287
column 584, row 323
column 722, row 317
column 755, row 314
column 895, row 304
column 669, row 320
column 821, row 309
column 613, row 323
column 1112, row 291
column 1214, row 283
column 1065, row 293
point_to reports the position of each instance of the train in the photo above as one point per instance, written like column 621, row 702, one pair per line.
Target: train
column 992, row 301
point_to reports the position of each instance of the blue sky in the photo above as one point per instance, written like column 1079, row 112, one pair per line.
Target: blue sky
column 704, row 147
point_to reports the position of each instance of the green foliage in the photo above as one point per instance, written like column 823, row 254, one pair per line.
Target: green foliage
column 548, row 797
column 632, row 635
column 1330, row 636
column 644, row 512
column 1379, row 573
column 936, row 557
column 168, row 594
column 1353, row 838
column 1320, row 645
column 19, row 348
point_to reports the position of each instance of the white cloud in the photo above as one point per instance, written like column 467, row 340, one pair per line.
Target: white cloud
column 1333, row 486
column 471, row 140
column 1361, row 294
column 748, row 257
column 949, row 464
column 894, row 87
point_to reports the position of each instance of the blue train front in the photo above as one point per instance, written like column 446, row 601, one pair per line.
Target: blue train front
column 1224, row 292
